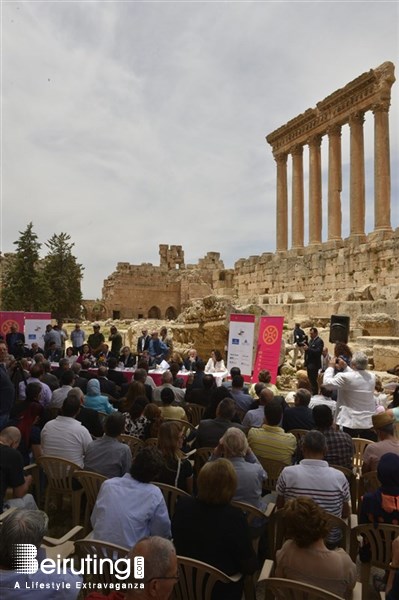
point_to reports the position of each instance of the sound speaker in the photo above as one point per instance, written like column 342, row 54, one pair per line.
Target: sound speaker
column 339, row 329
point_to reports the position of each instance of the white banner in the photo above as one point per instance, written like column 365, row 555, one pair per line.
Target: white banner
column 241, row 342
column 35, row 330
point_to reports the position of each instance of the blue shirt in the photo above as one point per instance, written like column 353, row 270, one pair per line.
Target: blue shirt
column 127, row 510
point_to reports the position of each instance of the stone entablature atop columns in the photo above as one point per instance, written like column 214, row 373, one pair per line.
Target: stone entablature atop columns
column 369, row 92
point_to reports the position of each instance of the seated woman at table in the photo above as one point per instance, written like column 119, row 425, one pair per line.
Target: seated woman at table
column 177, row 470
column 135, row 421
column 216, row 363
column 209, row 529
column 69, row 354
column 85, row 355
column 95, row 400
column 304, row 556
column 127, row 359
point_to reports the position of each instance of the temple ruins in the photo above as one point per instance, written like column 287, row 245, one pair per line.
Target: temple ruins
column 354, row 276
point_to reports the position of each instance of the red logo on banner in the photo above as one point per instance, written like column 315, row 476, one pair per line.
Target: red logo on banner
column 268, row 346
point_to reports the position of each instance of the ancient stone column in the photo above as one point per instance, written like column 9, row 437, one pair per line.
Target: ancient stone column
column 315, row 190
column 297, row 197
column 357, row 181
column 282, row 203
column 382, row 175
column 334, row 182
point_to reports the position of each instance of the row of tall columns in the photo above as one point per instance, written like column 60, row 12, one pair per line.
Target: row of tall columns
column 382, row 193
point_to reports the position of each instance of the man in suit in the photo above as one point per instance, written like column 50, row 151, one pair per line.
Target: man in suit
column 210, row 431
column 313, row 351
column 143, row 342
column 15, row 341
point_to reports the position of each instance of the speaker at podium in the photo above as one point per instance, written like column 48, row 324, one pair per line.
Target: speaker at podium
column 339, row 329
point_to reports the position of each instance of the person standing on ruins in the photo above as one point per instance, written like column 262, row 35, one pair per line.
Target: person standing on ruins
column 143, row 342
column 116, row 341
column 313, row 352
column 95, row 340
column 299, row 339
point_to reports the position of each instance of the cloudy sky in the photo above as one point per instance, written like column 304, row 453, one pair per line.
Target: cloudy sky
column 130, row 124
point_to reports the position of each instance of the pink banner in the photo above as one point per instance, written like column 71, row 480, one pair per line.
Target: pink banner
column 268, row 346
column 8, row 318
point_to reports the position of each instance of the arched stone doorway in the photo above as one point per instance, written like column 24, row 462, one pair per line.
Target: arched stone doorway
column 171, row 313
column 154, row 313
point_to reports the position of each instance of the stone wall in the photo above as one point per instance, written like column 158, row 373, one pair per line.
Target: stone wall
column 329, row 275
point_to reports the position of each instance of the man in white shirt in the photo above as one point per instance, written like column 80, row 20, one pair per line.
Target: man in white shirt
column 355, row 402
column 59, row 395
column 65, row 436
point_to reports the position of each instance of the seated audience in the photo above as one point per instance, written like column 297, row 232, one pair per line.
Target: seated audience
column 266, row 378
column 209, row 529
column 141, row 375
column 194, row 382
column 107, row 455
column 153, row 414
column 123, row 522
column 250, row 474
column 384, row 426
column 202, row 396
column 48, row 376
column 271, row 441
column 95, row 400
column 324, row 398
column 135, row 421
column 339, row 444
column 168, row 411
column 58, row 396
column 12, row 472
column 177, row 470
column 256, row 416
column 167, row 383
column 107, row 386
column 233, row 372
column 178, row 382
column 210, row 431
column 382, row 506
column 88, row 417
column 161, row 572
column 300, row 415
column 36, row 374
column 314, row 478
column 305, row 557
column 29, row 527
column 242, row 400
column 64, row 436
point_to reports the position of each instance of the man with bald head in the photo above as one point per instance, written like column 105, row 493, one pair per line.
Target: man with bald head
column 160, row 572
column 256, row 417
column 12, row 472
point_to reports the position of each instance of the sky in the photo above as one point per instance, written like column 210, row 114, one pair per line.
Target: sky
column 133, row 124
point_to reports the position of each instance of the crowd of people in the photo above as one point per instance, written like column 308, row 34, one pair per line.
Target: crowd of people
column 78, row 409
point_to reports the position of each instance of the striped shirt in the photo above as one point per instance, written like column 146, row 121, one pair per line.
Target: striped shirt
column 328, row 487
column 272, row 442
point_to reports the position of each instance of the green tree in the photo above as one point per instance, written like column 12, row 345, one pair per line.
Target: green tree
column 25, row 286
column 63, row 274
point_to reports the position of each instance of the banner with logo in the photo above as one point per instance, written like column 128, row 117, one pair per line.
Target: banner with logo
column 8, row 318
column 268, row 346
column 241, row 341
column 35, row 327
